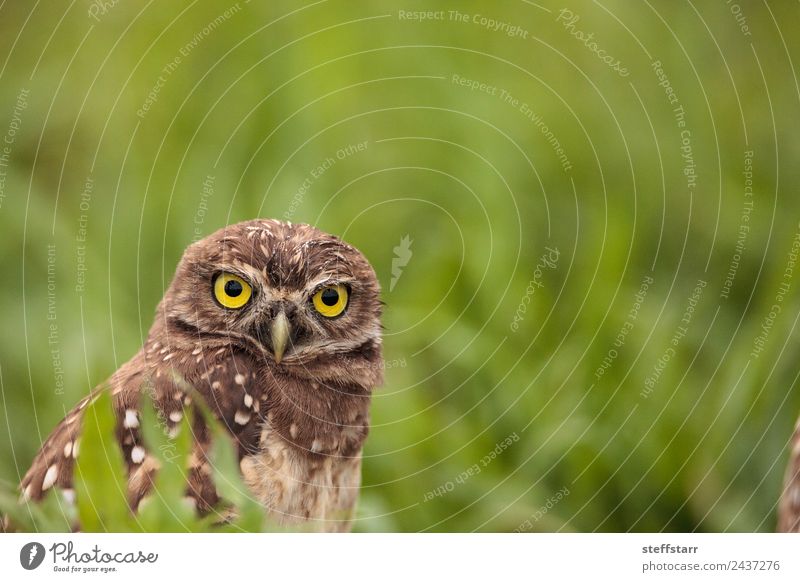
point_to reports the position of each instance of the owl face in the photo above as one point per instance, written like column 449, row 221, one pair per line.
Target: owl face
column 291, row 293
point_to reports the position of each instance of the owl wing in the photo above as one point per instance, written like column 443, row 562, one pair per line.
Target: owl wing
column 54, row 463
column 789, row 509
column 222, row 377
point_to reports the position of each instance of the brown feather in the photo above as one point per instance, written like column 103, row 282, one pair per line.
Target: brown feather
column 789, row 508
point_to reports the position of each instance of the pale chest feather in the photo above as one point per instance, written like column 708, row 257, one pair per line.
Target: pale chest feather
column 297, row 488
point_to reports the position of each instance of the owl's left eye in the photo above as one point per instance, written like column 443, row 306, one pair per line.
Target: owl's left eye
column 330, row 301
column 231, row 291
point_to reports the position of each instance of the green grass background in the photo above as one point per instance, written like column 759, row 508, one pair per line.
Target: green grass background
column 277, row 88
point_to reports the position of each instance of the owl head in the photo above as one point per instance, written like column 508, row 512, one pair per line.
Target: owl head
column 301, row 299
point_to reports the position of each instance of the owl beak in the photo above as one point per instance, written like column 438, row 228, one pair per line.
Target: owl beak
column 279, row 334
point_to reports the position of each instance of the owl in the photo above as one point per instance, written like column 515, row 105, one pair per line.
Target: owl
column 276, row 326
column 789, row 508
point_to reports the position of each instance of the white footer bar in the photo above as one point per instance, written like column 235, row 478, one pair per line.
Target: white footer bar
column 382, row 557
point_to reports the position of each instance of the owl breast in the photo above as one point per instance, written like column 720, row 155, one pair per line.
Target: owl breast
column 296, row 486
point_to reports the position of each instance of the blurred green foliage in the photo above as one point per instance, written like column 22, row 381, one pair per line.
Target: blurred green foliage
column 244, row 110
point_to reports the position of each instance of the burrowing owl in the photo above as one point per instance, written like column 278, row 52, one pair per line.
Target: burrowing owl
column 789, row 509
column 277, row 327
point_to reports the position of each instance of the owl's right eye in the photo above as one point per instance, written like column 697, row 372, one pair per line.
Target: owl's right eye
column 231, row 291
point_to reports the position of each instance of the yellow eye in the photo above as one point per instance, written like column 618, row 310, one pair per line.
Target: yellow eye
column 330, row 301
column 231, row 291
